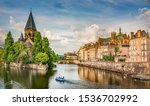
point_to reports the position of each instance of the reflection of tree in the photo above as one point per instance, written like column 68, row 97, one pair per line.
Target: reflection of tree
column 40, row 81
column 7, row 78
column 32, row 79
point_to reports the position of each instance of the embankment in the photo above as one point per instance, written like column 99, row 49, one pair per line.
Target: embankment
column 135, row 70
column 28, row 66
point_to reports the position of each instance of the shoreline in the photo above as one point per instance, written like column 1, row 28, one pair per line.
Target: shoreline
column 138, row 71
column 27, row 66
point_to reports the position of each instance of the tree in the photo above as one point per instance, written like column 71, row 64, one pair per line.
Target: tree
column 116, row 50
column 8, row 48
column 37, row 45
column 41, row 58
column 20, row 52
column 46, row 49
column 108, row 58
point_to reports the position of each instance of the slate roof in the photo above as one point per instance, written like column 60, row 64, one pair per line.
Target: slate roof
column 30, row 22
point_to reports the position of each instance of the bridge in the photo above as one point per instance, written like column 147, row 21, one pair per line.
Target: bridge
column 68, row 62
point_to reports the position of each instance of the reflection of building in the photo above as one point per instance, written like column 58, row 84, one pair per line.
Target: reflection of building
column 139, row 50
column 71, row 56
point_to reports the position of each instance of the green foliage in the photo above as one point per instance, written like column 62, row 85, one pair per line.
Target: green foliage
column 20, row 52
column 108, row 58
column 104, row 39
column 10, row 57
column 122, row 60
column 1, row 55
column 60, row 57
column 8, row 47
column 116, row 50
column 51, row 54
column 41, row 58
column 1, row 48
column 37, row 45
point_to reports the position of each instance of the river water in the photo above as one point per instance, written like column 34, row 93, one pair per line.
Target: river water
column 77, row 77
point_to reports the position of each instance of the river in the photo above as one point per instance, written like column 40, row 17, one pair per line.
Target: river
column 77, row 77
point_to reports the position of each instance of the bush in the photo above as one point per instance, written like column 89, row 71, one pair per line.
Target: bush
column 41, row 58
column 108, row 58
column 122, row 60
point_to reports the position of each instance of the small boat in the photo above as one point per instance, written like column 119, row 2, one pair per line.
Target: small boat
column 60, row 79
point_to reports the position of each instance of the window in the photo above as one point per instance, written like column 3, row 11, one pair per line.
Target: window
column 142, row 59
column 145, row 53
column 141, row 41
column 142, row 53
column 145, row 58
column 145, row 41
column 145, row 47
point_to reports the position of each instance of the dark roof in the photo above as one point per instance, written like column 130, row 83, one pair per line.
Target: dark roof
column 30, row 22
column 21, row 37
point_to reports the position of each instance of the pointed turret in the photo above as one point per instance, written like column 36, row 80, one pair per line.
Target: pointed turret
column 30, row 23
column 30, row 28
column 119, row 30
column 21, row 37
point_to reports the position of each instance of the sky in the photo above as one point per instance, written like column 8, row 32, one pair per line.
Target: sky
column 69, row 24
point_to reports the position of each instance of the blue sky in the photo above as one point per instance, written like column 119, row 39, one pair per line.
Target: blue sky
column 71, row 23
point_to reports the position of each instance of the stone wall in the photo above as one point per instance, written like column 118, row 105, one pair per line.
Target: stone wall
column 30, row 66
column 125, row 68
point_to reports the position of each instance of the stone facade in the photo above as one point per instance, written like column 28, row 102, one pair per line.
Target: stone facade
column 29, row 66
column 125, row 68
column 71, row 56
column 133, row 48
column 139, row 50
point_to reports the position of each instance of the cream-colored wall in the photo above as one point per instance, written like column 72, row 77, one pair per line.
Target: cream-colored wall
column 139, row 50
column 91, row 53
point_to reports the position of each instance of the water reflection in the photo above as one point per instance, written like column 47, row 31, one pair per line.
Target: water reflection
column 110, row 79
column 24, row 78
column 77, row 77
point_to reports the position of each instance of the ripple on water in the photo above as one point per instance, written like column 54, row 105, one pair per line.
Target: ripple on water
column 1, row 84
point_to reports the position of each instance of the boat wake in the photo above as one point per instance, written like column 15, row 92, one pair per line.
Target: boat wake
column 14, row 85
column 82, row 84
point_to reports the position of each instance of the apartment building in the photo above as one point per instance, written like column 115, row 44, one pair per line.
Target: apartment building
column 139, row 50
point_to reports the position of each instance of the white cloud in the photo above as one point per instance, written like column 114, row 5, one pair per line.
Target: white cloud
column 144, row 17
column 90, row 33
column 52, row 36
column 144, row 13
column 62, row 43
column 16, row 25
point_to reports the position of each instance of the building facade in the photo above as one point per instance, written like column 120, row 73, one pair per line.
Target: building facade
column 139, row 50
column 70, row 56
column 29, row 31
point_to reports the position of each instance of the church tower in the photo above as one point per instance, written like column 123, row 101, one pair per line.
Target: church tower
column 30, row 28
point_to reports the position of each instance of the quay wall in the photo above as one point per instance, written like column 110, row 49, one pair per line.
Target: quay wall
column 29, row 66
column 125, row 68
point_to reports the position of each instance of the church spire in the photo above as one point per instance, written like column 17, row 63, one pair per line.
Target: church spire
column 30, row 23
column 30, row 27
column 119, row 29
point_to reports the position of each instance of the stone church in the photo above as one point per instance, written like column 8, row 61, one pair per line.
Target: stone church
column 29, row 31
